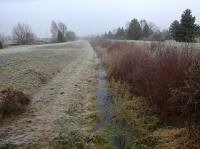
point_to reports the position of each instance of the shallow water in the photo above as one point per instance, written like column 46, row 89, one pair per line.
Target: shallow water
column 104, row 105
column 104, row 98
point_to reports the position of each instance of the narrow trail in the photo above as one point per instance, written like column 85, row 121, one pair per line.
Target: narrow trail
column 51, row 102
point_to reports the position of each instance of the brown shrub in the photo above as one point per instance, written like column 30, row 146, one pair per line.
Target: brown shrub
column 12, row 102
column 155, row 73
column 168, row 78
column 116, row 46
column 166, row 72
column 105, row 43
column 187, row 96
column 127, row 66
column 101, row 43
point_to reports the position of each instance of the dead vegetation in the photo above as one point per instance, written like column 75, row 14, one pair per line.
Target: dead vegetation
column 166, row 77
column 12, row 102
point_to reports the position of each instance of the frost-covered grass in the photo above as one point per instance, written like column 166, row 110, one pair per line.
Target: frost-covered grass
column 179, row 45
column 26, row 68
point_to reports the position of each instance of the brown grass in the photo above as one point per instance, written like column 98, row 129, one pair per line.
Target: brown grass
column 12, row 102
column 168, row 78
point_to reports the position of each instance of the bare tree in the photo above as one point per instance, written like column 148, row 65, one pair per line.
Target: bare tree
column 62, row 28
column 22, row 34
column 1, row 41
column 54, row 31
column 60, row 33
column 70, row 36
column 153, row 27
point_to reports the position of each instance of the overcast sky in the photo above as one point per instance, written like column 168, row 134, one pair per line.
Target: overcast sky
column 87, row 17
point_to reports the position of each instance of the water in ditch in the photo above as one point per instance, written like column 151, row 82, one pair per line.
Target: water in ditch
column 104, row 98
column 104, row 105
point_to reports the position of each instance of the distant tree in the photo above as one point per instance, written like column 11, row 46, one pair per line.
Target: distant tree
column 104, row 36
column 146, row 30
column 60, row 33
column 175, row 31
column 186, row 30
column 61, row 37
column 1, row 45
column 142, row 23
column 134, row 30
column 120, row 34
column 110, row 35
column 22, row 34
column 197, row 30
column 62, row 28
column 188, row 26
column 153, row 27
column 70, row 36
column 165, row 34
column 2, row 41
column 54, row 31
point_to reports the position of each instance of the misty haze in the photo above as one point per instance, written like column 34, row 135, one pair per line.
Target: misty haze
column 99, row 74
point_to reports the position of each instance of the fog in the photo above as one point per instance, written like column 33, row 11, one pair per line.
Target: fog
column 87, row 17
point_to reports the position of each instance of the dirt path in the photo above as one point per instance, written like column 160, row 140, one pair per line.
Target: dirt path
column 51, row 102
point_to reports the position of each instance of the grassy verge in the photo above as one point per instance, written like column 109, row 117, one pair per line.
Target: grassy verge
column 27, row 71
column 75, row 128
column 131, row 125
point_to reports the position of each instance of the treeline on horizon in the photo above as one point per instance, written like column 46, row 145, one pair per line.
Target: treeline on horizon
column 184, row 30
column 22, row 34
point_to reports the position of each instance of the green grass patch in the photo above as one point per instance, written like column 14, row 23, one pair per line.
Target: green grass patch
column 92, row 118
column 117, row 136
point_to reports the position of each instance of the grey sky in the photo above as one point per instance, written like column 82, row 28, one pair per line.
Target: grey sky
column 90, row 16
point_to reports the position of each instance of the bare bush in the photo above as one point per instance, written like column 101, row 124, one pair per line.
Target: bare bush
column 22, row 34
column 54, row 31
column 188, row 94
column 156, row 73
column 166, row 72
column 168, row 78
column 12, row 102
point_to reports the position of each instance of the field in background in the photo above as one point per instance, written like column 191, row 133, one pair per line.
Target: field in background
column 142, row 43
